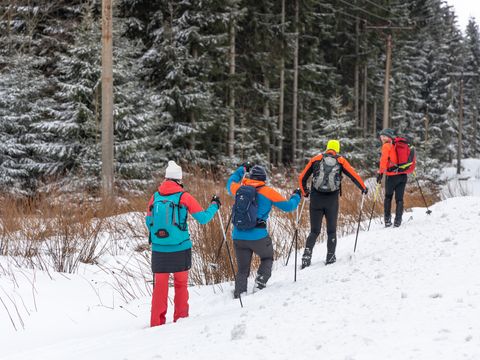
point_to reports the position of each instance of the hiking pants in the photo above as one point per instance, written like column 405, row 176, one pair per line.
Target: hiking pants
column 244, row 250
column 160, row 297
column 394, row 184
column 323, row 204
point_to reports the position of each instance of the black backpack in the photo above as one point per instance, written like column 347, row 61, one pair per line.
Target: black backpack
column 327, row 174
column 245, row 208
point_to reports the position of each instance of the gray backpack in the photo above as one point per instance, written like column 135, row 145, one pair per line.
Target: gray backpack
column 327, row 174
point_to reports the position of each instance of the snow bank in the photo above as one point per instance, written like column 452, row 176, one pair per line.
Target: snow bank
column 467, row 183
column 408, row 293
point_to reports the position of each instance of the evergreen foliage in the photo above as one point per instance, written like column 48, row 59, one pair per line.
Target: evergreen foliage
column 172, row 86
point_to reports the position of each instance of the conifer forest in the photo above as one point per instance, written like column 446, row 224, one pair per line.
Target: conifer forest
column 216, row 82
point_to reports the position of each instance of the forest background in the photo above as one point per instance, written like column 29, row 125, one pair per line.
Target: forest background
column 216, row 82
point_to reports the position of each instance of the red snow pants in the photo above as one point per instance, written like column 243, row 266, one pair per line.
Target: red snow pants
column 160, row 297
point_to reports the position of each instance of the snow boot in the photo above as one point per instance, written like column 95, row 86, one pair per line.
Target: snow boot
column 306, row 258
column 260, row 282
column 388, row 221
column 236, row 294
column 330, row 259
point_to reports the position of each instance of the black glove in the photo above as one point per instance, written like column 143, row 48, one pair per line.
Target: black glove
column 307, row 193
column 216, row 200
column 298, row 191
column 247, row 165
column 379, row 178
column 365, row 191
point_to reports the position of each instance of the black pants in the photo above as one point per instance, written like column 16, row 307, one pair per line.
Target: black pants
column 323, row 204
column 244, row 250
column 394, row 184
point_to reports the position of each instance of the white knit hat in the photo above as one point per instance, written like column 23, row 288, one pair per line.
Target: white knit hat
column 173, row 171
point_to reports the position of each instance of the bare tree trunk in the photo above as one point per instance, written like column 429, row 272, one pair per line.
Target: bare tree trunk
column 356, row 87
column 460, row 130
column 295, row 87
column 231, row 101
column 425, row 141
column 266, row 115
column 386, row 96
column 374, row 119
column 282, row 92
column 365, row 100
column 107, row 99
column 300, row 132
column 193, row 120
column 475, row 125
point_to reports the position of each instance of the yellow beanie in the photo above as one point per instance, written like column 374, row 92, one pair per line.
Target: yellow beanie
column 333, row 145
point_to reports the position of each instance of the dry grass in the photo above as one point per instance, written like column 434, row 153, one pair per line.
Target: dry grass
column 55, row 232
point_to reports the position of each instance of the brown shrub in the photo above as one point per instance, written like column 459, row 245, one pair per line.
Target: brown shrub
column 60, row 231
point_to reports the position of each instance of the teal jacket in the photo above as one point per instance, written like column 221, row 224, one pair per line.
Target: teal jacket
column 180, row 239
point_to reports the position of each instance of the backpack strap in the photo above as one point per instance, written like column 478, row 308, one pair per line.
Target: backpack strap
column 182, row 224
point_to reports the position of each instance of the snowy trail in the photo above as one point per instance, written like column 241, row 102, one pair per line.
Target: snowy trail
column 408, row 293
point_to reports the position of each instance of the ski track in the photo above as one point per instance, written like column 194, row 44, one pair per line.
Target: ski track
column 408, row 293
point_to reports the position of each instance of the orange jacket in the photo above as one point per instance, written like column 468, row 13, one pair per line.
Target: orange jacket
column 388, row 159
column 347, row 169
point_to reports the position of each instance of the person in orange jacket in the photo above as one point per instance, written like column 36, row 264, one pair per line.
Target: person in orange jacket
column 256, row 239
column 327, row 170
column 395, row 181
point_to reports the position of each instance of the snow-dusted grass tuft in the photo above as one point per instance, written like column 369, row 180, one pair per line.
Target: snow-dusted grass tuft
column 54, row 233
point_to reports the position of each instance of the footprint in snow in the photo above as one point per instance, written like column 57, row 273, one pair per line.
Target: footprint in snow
column 238, row 331
column 436, row 296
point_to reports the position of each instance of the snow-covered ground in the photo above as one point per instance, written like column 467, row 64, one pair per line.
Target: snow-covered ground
column 467, row 183
column 407, row 293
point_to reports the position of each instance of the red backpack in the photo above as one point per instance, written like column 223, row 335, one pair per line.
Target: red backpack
column 406, row 156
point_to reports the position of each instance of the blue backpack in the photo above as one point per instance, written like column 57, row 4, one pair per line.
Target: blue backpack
column 169, row 225
column 245, row 208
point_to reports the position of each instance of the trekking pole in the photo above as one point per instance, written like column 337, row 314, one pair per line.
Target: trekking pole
column 296, row 249
column 229, row 254
column 359, row 220
column 295, row 235
column 223, row 240
column 421, row 192
column 377, row 190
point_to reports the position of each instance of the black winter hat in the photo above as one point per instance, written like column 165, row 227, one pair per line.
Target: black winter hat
column 258, row 173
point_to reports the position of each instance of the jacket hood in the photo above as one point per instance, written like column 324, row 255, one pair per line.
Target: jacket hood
column 169, row 187
column 254, row 183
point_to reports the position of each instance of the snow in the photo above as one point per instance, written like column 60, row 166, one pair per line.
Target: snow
column 408, row 293
column 467, row 183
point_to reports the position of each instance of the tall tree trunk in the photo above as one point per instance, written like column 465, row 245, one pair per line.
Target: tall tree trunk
column 107, row 100
column 365, row 99
column 356, row 86
column 266, row 115
column 231, row 100
column 386, row 96
column 295, row 87
column 374, row 119
column 193, row 120
column 475, row 125
column 282, row 92
column 460, row 130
